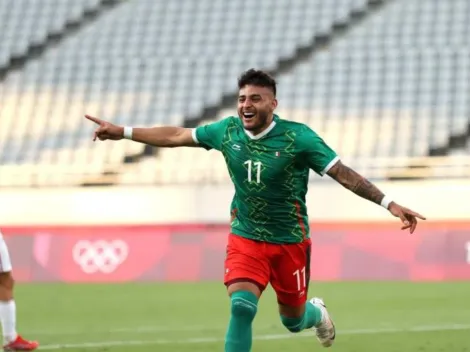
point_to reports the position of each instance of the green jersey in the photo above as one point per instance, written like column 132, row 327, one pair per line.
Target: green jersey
column 270, row 172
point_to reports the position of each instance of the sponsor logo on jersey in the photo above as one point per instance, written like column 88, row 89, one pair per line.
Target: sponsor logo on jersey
column 236, row 147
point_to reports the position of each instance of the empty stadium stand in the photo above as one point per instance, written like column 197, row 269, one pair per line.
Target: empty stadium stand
column 404, row 73
column 386, row 92
column 28, row 26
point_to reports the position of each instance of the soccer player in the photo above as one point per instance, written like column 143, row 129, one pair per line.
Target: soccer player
column 268, row 159
column 12, row 341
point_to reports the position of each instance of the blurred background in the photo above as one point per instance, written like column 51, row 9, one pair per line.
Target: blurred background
column 116, row 242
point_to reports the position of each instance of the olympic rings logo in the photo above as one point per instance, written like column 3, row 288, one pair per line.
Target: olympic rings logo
column 100, row 256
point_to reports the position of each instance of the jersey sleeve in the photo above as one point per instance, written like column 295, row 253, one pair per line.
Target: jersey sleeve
column 211, row 136
column 316, row 153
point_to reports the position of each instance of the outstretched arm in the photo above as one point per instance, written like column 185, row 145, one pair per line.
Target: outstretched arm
column 156, row 136
column 358, row 184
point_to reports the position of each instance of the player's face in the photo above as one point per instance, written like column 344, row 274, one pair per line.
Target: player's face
column 255, row 107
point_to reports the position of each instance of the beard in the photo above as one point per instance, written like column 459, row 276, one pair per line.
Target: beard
column 256, row 123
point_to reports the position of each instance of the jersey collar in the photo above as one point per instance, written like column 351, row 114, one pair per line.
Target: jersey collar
column 265, row 132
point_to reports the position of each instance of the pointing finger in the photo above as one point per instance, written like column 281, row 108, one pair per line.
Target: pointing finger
column 419, row 216
column 94, row 119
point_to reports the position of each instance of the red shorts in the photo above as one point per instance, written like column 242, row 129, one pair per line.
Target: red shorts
column 285, row 266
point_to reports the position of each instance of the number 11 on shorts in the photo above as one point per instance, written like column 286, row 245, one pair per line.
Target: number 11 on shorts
column 300, row 280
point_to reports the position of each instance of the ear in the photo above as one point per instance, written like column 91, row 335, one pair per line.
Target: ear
column 274, row 103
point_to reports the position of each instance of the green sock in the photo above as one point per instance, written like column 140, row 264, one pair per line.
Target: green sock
column 311, row 317
column 239, row 332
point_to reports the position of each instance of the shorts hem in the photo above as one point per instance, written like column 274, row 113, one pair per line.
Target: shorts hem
column 296, row 304
column 245, row 279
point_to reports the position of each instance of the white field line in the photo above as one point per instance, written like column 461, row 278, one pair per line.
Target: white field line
column 133, row 330
column 189, row 341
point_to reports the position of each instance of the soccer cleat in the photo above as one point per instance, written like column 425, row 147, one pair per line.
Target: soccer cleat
column 20, row 344
column 325, row 329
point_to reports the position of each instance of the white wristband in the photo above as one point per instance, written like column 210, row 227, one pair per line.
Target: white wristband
column 127, row 132
column 385, row 202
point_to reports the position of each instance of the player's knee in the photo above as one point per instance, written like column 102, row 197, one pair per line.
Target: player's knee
column 6, row 286
column 6, row 280
column 293, row 324
column 244, row 305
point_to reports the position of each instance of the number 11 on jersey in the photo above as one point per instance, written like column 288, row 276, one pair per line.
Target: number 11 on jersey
column 301, row 278
column 257, row 165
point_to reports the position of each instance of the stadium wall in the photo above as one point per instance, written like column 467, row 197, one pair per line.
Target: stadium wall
column 359, row 251
column 179, row 233
column 327, row 201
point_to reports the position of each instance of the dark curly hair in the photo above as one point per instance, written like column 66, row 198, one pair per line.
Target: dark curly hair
column 257, row 78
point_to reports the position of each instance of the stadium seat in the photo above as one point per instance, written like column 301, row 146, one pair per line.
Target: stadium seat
column 403, row 71
column 27, row 23
column 146, row 63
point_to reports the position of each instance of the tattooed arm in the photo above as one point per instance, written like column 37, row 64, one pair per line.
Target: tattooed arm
column 358, row 184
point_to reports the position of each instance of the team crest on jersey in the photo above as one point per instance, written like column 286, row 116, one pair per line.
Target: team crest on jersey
column 277, row 153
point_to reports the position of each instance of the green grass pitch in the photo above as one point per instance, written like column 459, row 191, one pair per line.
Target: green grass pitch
column 372, row 316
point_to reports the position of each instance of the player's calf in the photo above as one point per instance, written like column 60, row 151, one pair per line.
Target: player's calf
column 294, row 325
column 296, row 319
column 244, row 305
column 7, row 307
column 12, row 341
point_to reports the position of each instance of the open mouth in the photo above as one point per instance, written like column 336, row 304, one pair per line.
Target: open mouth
column 248, row 115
